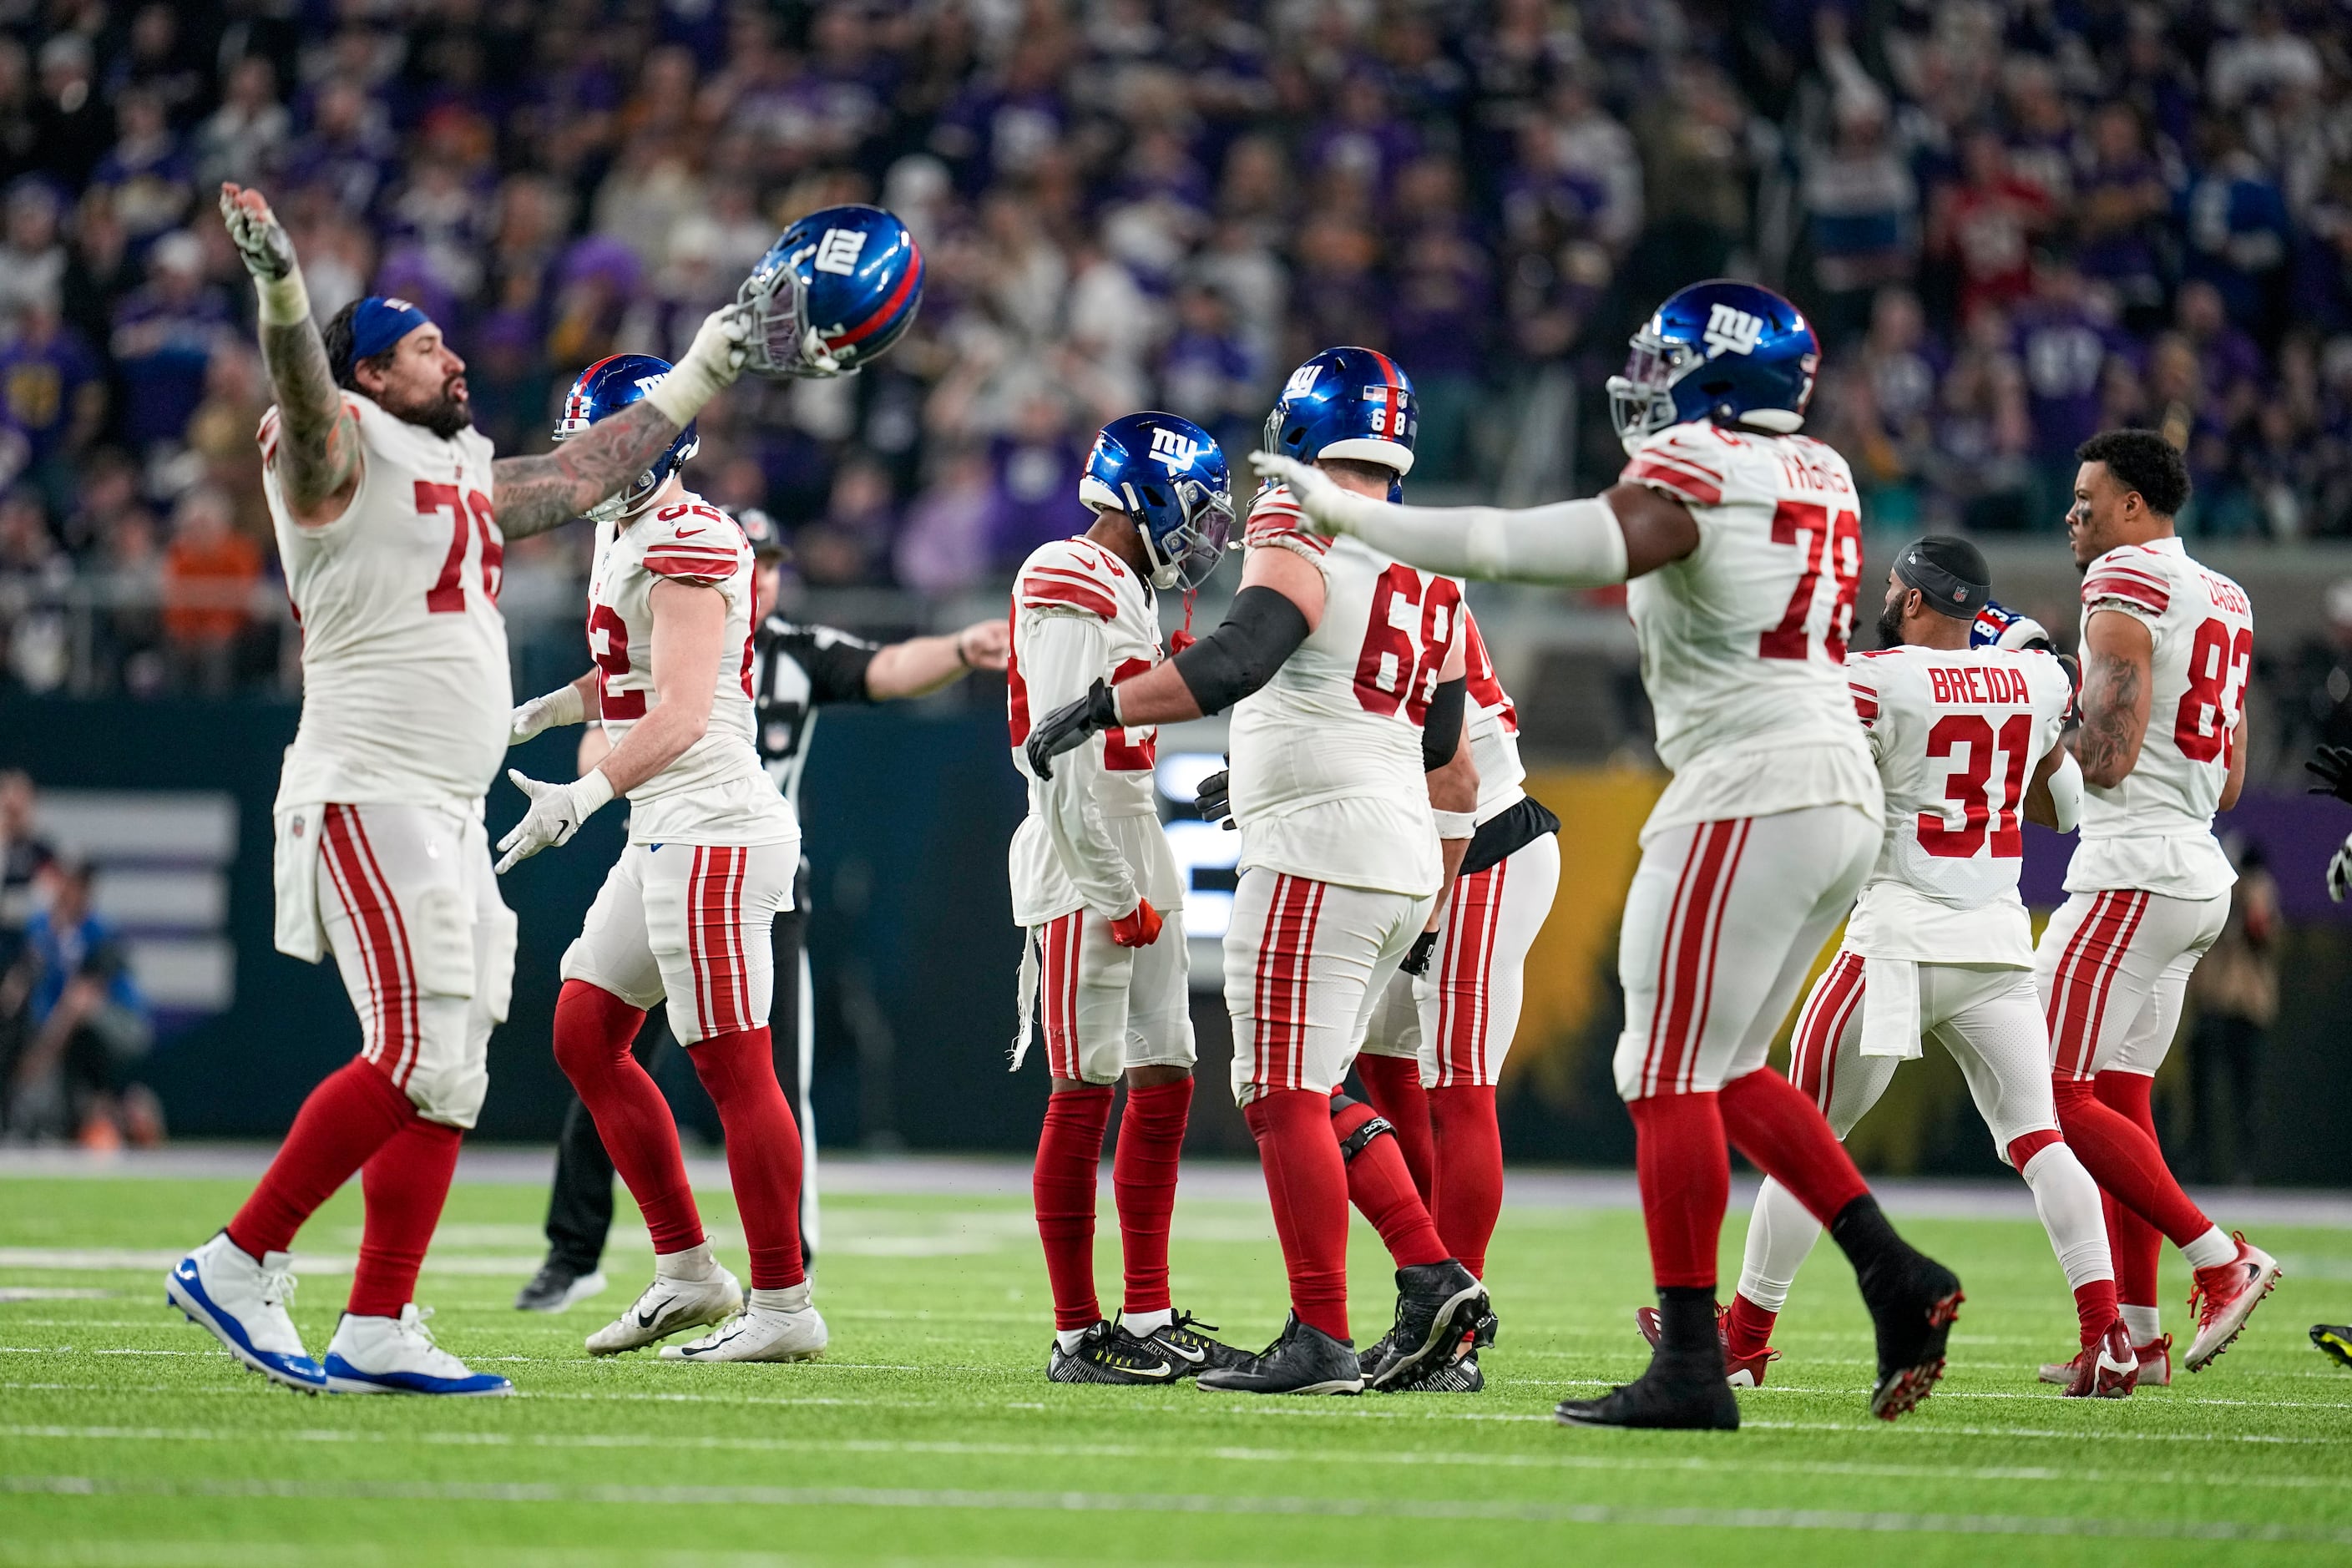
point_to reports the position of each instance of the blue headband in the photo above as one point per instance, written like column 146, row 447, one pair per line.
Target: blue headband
column 380, row 322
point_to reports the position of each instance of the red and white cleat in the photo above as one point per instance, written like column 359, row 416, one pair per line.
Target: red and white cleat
column 2155, row 1366
column 1739, row 1371
column 2223, row 1298
column 2106, row 1370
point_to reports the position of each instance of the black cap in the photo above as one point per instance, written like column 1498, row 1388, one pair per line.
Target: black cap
column 1951, row 574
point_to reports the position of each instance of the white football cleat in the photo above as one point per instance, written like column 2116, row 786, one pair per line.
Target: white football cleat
column 397, row 1355
column 669, row 1306
column 785, row 1327
column 2224, row 1297
column 219, row 1287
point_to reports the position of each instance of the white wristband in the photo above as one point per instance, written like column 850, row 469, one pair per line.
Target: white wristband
column 593, row 792
column 563, row 706
column 1456, row 824
column 285, row 301
column 2066, row 792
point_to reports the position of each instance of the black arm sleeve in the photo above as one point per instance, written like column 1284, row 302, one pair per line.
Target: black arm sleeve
column 1440, row 731
column 1261, row 629
column 834, row 660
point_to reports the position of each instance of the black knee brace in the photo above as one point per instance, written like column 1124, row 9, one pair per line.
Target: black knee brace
column 1353, row 1143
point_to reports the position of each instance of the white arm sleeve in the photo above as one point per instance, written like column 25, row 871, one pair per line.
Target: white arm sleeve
column 1063, row 654
column 1577, row 544
column 2066, row 792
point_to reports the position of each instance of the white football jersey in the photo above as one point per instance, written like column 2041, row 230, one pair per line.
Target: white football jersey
column 715, row 792
column 1956, row 734
column 1744, row 640
column 1490, row 722
column 405, row 689
column 1327, row 782
column 1092, row 837
column 2154, row 830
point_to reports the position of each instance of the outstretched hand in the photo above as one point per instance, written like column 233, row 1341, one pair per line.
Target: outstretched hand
column 1309, row 485
column 985, row 645
column 2334, row 766
column 261, row 239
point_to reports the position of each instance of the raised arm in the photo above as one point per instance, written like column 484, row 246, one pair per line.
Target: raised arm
column 920, row 666
column 2117, row 651
column 316, row 455
column 535, row 494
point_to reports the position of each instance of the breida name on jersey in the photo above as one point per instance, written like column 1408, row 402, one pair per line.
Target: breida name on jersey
column 1092, row 837
column 405, row 691
column 2154, row 830
column 1744, row 640
column 716, row 792
column 1327, row 780
column 1956, row 734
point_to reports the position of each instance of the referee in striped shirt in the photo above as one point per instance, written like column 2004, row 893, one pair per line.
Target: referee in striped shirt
column 797, row 669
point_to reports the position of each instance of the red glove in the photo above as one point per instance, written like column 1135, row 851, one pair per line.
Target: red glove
column 1141, row 929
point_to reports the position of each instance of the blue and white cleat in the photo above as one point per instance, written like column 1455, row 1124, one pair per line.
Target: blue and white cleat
column 397, row 1355
column 219, row 1287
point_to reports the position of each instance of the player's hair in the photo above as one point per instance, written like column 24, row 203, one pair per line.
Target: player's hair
column 337, row 336
column 1371, row 473
column 2144, row 461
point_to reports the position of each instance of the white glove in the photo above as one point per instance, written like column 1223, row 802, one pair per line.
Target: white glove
column 2339, row 871
column 710, row 366
column 556, row 812
column 560, row 707
column 2025, row 633
column 268, row 253
column 1309, row 485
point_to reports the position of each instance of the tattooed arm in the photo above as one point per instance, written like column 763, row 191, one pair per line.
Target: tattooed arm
column 534, row 494
column 2116, row 650
column 317, row 453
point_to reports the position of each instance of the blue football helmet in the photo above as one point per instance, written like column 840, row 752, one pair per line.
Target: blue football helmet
column 604, row 389
column 1347, row 403
column 1996, row 625
column 835, row 291
column 1731, row 352
column 1169, row 475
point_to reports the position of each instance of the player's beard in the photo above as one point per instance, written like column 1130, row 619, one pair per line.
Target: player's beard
column 1890, row 624
column 444, row 416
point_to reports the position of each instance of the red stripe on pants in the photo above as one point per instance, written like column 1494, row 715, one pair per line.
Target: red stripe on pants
column 2076, row 987
column 383, row 945
column 1814, row 1065
column 408, row 986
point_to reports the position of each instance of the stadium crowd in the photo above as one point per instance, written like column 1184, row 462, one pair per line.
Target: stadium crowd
column 2014, row 224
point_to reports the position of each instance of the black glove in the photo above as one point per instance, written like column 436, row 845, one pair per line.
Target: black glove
column 1070, row 726
column 1214, row 799
column 2334, row 766
column 1416, row 957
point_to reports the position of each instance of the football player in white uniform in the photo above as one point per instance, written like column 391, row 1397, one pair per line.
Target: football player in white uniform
column 1741, row 540
column 2167, row 650
column 1093, row 885
column 1968, row 741
column 683, row 918
column 391, row 515
column 1434, row 1050
column 1356, row 798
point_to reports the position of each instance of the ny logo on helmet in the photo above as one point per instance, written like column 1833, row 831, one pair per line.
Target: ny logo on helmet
column 1302, row 380
column 1732, row 331
column 1174, row 450
column 838, row 251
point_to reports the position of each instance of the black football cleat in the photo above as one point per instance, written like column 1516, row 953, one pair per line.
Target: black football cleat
column 1377, row 1355
column 1448, row 1377
column 1684, row 1399
column 1109, row 1354
column 1305, row 1360
column 2333, row 1340
column 1437, row 1313
column 1488, row 1327
column 1913, row 1301
column 1183, row 1341
column 556, row 1288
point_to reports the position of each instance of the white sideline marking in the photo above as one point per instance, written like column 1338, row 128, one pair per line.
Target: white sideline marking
column 1223, row 1453
column 52, row 1293
column 1762, row 1519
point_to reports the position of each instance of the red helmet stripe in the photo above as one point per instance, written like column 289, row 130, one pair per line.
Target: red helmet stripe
column 889, row 310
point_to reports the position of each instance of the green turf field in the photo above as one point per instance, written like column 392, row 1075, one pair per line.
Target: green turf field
column 929, row 1434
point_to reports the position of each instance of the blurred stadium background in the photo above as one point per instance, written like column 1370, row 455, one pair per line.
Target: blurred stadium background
column 2015, row 223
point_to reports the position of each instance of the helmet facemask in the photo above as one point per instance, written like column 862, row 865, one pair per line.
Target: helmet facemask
column 1186, row 554
column 778, row 343
column 1642, row 401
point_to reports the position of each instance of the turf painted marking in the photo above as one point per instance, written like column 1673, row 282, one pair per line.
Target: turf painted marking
column 1759, row 1519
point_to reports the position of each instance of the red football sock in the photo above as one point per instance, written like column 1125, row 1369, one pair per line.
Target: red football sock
column 1469, row 1196
column 1784, row 1134
column 2094, row 1306
column 1393, row 1085
column 593, row 1032
column 1380, row 1186
column 2135, row 1246
column 1748, row 1328
column 353, row 1113
column 1307, row 1182
column 2125, row 1162
column 405, row 1183
column 1069, row 1160
column 1143, row 1175
column 1683, row 1168
column 763, row 1150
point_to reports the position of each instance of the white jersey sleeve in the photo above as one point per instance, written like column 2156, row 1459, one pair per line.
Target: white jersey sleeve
column 2154, row 830
column 1958, row 734
column 1327, row 782
column 1092, row 838
column 405, row 689
column 716, row 792
column 1491, row 724
column 1744, row 640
